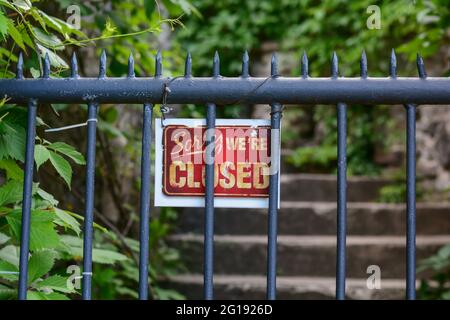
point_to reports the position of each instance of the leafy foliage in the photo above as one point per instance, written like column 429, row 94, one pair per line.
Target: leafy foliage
column 37, row 28
column 47, row 245
column 313, row 159
column 438, row 286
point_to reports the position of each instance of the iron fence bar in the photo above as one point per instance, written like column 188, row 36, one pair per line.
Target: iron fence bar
column 145, row 201
column 224, row 91
column 209, row 204
column 275, row 114
column 411, row 111
column 89, row 206
column 27, row 200
column 341, row 189
column 208, row 282
column 341, row 202
column 411, row 202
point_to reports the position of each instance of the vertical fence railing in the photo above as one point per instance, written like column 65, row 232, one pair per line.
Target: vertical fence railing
column 211, row 91
column 27, row 198
column 341, row 202
column 275, row 115
column 144, row 224
column 341, row 189
column 411, row 202
column 88, row 228
column 208, row 268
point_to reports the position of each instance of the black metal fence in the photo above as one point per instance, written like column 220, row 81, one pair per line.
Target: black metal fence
column 211, row 91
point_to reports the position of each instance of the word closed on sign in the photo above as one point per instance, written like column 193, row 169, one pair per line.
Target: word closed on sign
column 242, row 160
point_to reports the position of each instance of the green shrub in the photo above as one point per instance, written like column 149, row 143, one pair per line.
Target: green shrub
column 438, row 287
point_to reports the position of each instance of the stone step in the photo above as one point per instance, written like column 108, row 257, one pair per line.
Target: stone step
column 319, row 218
column 295, row 288
column 323, row 187
column 304, row 255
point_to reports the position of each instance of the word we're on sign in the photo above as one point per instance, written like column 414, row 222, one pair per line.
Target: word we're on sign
column 242, row 163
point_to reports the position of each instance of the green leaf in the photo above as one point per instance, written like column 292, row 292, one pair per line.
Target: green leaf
column 96, row 225
column 50, row 21
column 3, row 238
column 8, row 271
column 68, row 151
column 10, row 254
column 27, row 41
column 3, row 25
column 107, row 256
column 72, row 241
column 67, row 220
column 62, row 167
column 34, row 295
column 7, row 4
column 37, row 16
column 13, row 171
column 15, row 34
column 11, row 192
column 42, row 231
column 46, row 39
column 67, row 28
column 40, row 263
column 168, row 294
column 12, row 139
column 47, row 197
column 35, row 73
column 23, row 4
column 149, row 6
column 124, row 291
column 7, row 293
column 55, row 282
column 55, row 60
column 41, row 155
column 103, row 256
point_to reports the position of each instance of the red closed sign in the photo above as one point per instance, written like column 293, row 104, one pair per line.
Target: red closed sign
column 241, row 156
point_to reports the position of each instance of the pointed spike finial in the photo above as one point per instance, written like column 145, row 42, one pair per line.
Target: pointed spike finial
column 216, row 64
column 46, row 68
column 158, row 64
column 363, row 64
column 305, row 65
column 274, row 65
column 421, row 67
column 102, row 68
column 188, row 65
column 131, row 66
column 334, row 65
column 393, row 65
column 19, row 73
column 245, row 68
column 74, row 66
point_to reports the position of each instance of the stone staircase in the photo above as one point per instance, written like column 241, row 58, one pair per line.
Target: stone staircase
column 307, row 243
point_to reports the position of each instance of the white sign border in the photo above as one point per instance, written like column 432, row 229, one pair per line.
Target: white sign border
column 162, row 200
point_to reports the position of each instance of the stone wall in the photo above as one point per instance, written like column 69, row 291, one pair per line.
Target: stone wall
column 433, row 137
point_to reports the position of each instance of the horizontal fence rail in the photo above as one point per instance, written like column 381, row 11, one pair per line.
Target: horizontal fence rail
column 218, row 90
column 225, row 91
column 229, row 90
